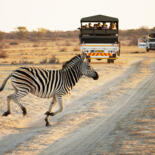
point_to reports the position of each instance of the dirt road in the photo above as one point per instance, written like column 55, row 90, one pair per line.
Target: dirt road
column 95, row 119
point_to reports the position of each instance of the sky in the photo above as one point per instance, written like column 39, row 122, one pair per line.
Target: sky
column 66, row 14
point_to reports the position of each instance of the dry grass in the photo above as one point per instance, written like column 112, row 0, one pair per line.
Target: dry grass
column 132, row 49
column 37, row 52
column 41, row 52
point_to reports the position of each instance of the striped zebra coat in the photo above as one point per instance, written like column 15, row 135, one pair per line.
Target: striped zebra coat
column 47, row 83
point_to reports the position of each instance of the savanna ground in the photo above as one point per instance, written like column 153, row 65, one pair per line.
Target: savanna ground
column 114, row 115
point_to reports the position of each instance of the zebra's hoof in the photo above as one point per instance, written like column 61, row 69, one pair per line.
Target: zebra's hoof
column 24, row 111
column 48, row 124
column 49, row 113
column 52, row 114
column 6, row 113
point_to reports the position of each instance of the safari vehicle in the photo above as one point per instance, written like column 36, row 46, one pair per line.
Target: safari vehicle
column 147, row 42
column 99, row 37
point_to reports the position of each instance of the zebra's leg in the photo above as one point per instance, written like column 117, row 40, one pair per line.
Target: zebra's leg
column 15, row 97
column 8, row 105
column 59, row 100
column 49, row 113
column 16, row 100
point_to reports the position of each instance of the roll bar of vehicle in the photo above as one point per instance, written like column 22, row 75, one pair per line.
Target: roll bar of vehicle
column 100, row 18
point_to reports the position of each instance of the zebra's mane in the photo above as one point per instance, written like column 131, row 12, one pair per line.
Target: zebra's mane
column 75, row 59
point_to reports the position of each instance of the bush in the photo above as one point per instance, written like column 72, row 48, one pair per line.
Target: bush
column 22, row 62
column 76, row 49
column 52, row 60
column 25, row 62
column 133, row 41
column 63, row 50
column 2, row 45
column 13, row 43
column 44, row 61
column 3, row 54
column 35, row 45
column 2, row 35
column 67, row 43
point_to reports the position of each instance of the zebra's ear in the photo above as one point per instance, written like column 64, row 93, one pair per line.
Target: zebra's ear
column 84, row 55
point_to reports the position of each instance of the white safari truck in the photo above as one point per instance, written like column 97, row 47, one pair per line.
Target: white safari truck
column 147, row 42
column 99, row 37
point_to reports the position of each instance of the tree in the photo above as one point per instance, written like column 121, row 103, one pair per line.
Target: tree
column 42, row 32
column 22, row 32
column 2, row 35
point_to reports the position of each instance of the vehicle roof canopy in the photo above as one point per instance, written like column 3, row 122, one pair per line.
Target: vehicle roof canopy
column 99, row 18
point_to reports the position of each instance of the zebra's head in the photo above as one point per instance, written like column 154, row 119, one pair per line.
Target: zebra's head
column 86, row 69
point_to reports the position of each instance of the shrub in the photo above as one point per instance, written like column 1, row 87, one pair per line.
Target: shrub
column 13, row 43
column 63, row 49
column 53, row 60
column 67, row 43
column 134, row 41
column 22, row 62
column 2, row 35
column 43, row 61
column 3, row 54
column 35, row 45
column 76, row 49
column 25, row 62
column 2, row 45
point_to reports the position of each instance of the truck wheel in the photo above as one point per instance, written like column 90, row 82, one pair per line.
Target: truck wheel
column 108, row 60
column 112, row 60
column 89, row 60
column 147, row 49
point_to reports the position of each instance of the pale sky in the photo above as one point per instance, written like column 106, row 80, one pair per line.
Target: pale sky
column 66, row 14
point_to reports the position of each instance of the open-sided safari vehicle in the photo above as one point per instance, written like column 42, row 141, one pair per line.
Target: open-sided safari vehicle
column 99, row 37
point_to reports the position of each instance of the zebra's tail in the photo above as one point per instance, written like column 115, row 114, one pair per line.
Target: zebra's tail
column 4, row 83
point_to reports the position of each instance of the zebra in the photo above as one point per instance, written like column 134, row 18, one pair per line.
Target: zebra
column 48, row 83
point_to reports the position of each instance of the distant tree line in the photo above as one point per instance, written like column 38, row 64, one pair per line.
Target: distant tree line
column 132, row 35
column 22, row 33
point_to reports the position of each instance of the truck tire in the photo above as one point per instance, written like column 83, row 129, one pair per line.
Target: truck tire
column 147, row 49
column 109, row 61
column 112, row 60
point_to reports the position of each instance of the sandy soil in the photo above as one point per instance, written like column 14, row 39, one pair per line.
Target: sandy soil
column 114, row 115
